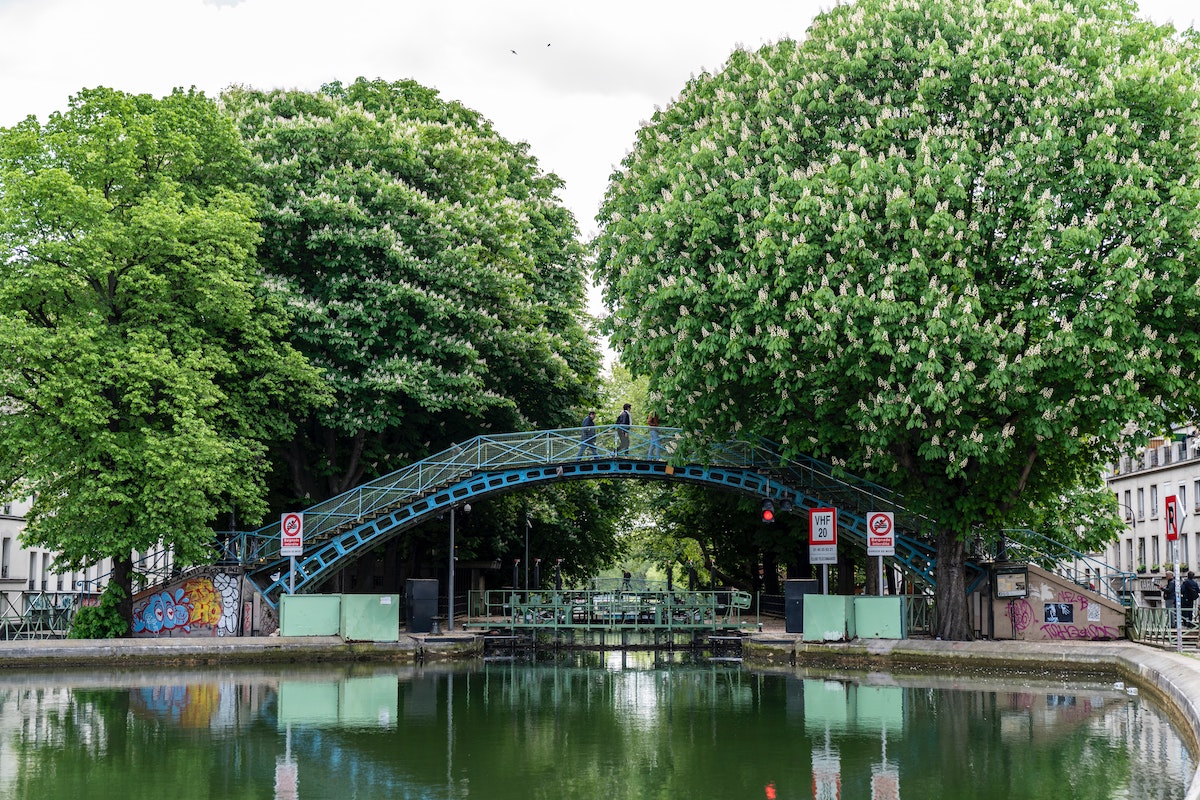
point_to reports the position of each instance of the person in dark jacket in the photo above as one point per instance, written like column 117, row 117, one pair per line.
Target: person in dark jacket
column 1189, row 591
column 1168, row 596
column 587, row 438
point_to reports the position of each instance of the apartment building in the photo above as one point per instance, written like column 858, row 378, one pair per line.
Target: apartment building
column 28, row 579
column 1167, row 466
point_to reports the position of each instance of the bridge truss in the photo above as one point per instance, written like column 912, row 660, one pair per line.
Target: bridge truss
column 339, row 530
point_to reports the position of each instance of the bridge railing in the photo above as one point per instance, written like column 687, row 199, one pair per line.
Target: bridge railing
column 498, row 451
column 607, row 609
column 1083, row 569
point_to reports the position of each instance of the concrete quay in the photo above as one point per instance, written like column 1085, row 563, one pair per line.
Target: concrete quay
column 1173, row 678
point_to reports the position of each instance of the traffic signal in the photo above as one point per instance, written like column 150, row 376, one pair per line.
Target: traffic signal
column 768, row 510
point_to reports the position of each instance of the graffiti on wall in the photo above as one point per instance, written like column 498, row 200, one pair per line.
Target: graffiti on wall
column 1057, row 618
column 198, row 606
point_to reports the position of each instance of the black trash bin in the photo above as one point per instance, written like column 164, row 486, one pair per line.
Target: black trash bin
column 793, row 601
column 421, row 604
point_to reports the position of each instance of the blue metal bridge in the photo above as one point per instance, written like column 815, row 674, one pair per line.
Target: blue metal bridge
column 339, row 530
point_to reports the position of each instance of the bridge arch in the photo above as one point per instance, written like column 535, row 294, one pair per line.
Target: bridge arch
column 339, row 530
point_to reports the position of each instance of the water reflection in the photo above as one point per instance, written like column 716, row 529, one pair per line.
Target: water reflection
column 605, row 725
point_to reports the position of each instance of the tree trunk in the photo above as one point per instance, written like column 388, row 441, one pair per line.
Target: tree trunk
column 953, row 621
column 122, row 577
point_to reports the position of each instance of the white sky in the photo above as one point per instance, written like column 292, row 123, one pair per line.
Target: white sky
column 577, row 102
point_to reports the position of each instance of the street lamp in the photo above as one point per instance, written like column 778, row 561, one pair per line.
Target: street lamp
column 450, row 587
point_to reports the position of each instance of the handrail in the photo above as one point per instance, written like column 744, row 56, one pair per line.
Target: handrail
column 325, row 523
column 1061, row 559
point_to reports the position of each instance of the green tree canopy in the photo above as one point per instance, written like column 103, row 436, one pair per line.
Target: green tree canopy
column 145, row 368
column 948, row 244
column 436, row 278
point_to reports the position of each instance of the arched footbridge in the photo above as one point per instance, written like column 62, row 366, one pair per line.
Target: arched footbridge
column 339, row 530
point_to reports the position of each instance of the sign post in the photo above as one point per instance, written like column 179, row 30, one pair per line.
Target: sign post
column 881, row 538
column 1172, row 518
column 822, row 541
column 291, row 542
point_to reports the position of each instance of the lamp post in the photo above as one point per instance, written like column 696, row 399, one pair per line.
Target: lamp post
column 528, row 526
column 450, row 582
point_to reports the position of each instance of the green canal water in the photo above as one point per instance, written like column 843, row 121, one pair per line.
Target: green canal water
column 607, row 726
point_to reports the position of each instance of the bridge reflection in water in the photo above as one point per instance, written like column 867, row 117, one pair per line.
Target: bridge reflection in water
column 613, row 724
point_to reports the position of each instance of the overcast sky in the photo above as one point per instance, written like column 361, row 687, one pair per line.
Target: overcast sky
column 585, row 74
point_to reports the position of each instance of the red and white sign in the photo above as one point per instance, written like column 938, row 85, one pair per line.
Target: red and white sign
column 1172, row 518
column 881, row 533
column 291, row 534
column 822, row 536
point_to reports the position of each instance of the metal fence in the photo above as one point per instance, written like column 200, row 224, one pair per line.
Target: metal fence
column 37, row 615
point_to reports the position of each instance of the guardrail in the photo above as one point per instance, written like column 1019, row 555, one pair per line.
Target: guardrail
column 1084, row 570
column 38, row 615
column 1157, row 627
column 607, row 609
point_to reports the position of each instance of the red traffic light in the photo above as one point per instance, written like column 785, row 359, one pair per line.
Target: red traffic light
column 768, row 511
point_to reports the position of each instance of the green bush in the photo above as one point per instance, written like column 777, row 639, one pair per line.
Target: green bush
column 103, row 621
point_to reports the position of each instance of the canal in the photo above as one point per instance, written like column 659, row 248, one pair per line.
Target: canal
column 608, row 726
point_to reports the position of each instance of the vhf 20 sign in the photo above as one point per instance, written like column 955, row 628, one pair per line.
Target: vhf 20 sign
column 822, row 536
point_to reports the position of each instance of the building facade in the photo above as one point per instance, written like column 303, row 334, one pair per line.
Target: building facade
column 1166, row 467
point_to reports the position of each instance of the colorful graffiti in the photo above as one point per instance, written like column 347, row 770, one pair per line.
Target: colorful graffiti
column 164, row 612
column 205, row 605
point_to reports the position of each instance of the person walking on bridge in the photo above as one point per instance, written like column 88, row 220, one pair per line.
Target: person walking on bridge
column 655, row 450
column 588, row 438
column 624, row 420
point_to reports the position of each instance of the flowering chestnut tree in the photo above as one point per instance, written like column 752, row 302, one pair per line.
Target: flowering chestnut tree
column 947, row 244
column 435, row 277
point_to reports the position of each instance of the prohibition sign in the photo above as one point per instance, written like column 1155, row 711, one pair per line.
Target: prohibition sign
column 881, row 538
column 291, row 533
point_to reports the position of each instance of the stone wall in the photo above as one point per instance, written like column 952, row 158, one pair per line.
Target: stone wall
column 1054, row 609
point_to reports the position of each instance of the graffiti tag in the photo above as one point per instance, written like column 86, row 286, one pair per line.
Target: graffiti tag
column 1061, row 631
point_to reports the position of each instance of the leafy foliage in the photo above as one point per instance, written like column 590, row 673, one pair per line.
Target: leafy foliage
column 434, row 275
column 145, row 368
column 950, row 245
column 103, row 621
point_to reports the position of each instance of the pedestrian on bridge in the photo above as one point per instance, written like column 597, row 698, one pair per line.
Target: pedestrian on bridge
column 588, row 438
column 655, row 450
column 624, row 420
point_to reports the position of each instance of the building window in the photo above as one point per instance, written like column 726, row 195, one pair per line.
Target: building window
column 1141, row 503
column 1157, row 557
column 1128, row 509
column 1129, row 564
column 1154, row 502
column 5, row 556
column 1142, row 551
